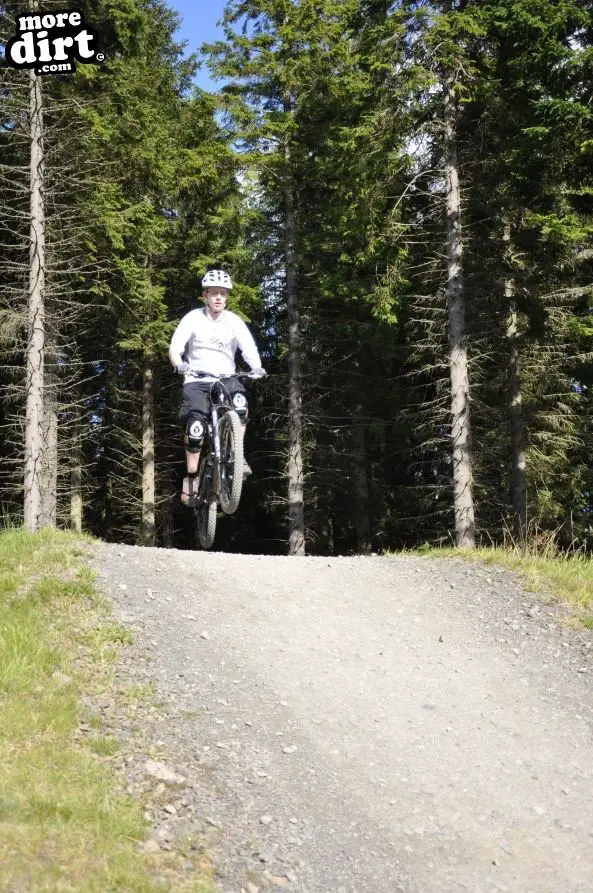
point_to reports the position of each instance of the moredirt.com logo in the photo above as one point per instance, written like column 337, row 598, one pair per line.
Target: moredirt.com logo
column 50, row 42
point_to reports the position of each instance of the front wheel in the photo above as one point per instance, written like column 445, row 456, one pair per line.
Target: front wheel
column 231, row 461
column 207, row 506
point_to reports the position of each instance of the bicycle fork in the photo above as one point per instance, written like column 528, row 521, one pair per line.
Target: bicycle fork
column 216, row 452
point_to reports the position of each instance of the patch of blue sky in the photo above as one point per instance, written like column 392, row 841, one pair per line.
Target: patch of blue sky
column 200, row 24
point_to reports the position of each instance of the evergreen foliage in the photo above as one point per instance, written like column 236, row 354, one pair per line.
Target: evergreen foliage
column 151, row 181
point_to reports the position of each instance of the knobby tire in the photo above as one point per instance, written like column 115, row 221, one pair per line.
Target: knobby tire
column 231, row 461
column 206, row 517
column 207, row 508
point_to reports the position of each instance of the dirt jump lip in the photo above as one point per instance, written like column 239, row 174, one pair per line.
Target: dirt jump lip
column 365, row 723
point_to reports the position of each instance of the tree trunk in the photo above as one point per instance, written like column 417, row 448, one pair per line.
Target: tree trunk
column 148, row 525
column 105, row 469
column 76, row 478
column 463, row 502
column 49, row 468
column 327, row 526
column 296, row 515
column 34, row 427
column 361, row 486
column 168, row 515
column 517, row 422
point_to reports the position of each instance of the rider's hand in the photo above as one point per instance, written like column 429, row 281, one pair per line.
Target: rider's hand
column 182, row 368
column 259, row 373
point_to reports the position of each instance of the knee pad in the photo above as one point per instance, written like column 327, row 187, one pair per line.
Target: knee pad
column 195, row 435
column 240, row 405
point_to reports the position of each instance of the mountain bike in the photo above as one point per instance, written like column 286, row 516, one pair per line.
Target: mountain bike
column 220, row 469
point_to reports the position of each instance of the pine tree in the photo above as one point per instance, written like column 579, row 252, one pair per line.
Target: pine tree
column 523, row 108
column 160, row 177
column 42, row 218
column 321, row 202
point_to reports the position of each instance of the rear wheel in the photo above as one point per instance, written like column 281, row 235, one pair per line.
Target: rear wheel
column 231, row 461
column 206, row 523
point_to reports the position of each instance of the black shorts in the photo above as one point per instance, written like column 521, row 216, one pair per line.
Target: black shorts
column 195, row 400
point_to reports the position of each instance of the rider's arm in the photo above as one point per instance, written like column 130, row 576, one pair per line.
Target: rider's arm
column 181, row 336
column 247, row 345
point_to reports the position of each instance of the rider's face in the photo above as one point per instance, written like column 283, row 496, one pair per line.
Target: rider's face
column 216, row 298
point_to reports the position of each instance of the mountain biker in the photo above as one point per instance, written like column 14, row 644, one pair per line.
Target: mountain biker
column 206, row 340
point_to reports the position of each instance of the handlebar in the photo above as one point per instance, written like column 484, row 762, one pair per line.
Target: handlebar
column 218, row 377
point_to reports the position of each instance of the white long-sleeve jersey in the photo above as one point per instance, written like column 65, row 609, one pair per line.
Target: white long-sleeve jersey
column 209, row 345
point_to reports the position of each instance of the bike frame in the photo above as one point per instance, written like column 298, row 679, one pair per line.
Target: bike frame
column 213, row 433
column 215, row 486
column 220, row 402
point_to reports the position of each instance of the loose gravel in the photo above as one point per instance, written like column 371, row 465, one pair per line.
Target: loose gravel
column 354, row 724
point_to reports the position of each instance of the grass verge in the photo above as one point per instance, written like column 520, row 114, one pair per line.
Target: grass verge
column 65, row 824
column 569, row 577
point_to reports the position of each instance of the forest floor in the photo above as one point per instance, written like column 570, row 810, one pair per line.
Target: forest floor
column 354, row 725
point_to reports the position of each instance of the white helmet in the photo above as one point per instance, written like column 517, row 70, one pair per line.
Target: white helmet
column 217, row 277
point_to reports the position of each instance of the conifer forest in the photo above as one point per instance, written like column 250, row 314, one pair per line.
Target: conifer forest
column 402, row 193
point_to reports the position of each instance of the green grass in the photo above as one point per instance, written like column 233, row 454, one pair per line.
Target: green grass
column 566, row 576
column 105, row 745
column 135, row 694
column 64, row 824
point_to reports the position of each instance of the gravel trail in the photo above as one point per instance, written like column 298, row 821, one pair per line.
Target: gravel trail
column 358, row 725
